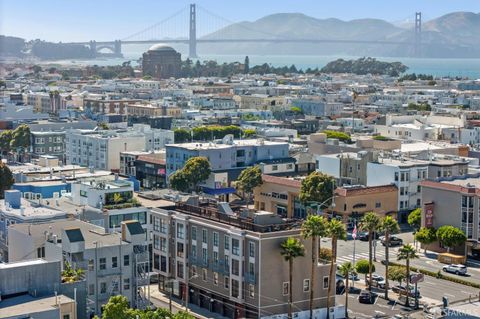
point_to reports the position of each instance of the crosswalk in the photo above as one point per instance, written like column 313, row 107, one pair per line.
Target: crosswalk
column 364, row 255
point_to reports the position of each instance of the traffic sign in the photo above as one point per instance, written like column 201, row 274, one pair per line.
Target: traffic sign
column 416, row 278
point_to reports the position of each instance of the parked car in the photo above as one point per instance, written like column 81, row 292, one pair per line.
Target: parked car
column 402, row 290
column 367, row 297
column 376, row 280
column 456, row 269
column 394, row 241
column 363, row 236
column 340, row 287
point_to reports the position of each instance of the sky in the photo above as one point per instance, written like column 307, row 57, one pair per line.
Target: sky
column 83, row 20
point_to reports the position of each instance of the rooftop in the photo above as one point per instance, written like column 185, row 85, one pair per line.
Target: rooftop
column 24, row 305
column 210, row 145
column 30, row 210
column 364, row 190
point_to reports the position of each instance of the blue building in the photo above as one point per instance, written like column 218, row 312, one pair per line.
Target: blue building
column 42, row 189
column 228, row 155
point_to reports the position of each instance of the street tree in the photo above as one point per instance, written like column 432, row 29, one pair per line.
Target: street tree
column 364, row 267
column 335, row 230
column 426, row 236
column 314, row 228
column 249, row 178
column 317, row 187
column 345, row 270
column 5, row 139
column 6, row 179
column 178, row 181
column 370, row 222
column 450, row 236
column 196, row 170
column 407, row 253
column 415, row 218
column 117, row 307
column 397, row 273
column 389, row 226
column 291, row 248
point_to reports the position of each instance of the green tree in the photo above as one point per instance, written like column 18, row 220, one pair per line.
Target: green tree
column 344, row 137
column 345, row 270
column 196, row 170
column 317, row 187
column 407, row 253
column 6, row 179
column 296, row 109
column 178, row 181
column 290, row 249
column 415, row 218
column 117, row 308
column 370, row 222
column 450, row 236
column 182, row 135
column 389, row 226
column 426, row 236
column 249, row 178
column 5, row 139
column 364, row 267
column 20, row 139
column 397, row 273
column 314, row 228
column 335, row 230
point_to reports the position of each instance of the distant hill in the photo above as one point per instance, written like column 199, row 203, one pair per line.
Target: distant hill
column 453, row 35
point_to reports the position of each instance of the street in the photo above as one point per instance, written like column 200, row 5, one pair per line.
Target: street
column 432, row 290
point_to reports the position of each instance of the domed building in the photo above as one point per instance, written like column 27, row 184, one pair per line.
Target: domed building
column 161, row 61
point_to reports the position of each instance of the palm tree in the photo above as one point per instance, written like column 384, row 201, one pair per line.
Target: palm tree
column 389, row 226
column 371, row 223
column 314, row 227
column 345, row 270
column 335, row 230
column 407, row 252
column 291, row 249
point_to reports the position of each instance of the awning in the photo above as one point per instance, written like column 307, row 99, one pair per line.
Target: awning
column 219, row 191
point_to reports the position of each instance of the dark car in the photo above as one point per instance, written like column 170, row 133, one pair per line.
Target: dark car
column 340, row 287
column 367, row 297
column 363, row 236
column 394, row 241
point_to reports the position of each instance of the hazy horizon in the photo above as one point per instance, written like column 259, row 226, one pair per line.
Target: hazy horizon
column 77, row 20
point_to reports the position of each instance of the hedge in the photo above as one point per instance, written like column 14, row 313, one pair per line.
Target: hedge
column 438, row 275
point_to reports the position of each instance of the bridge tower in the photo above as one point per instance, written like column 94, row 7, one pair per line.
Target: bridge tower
column 418, row 34
column 192, row 43
column 93, row 48
column 118, row 48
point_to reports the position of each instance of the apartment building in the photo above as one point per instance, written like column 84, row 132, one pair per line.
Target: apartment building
column 114, row 263
column 454, row 201
column 348, row 168
column 405, row 174
column 230, row 263
column 228, row 155
column 48, row 142
column 104, row 105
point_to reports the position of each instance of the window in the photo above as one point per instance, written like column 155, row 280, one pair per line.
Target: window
column 194, row 233
column 402, row 176
column 179, row 269
column 378, row 204
column 163, row 263
column 103, row 263
column 90, row 265
column 204, row 274
column 163, row 244
column 325, row 282
column 227, row 242
column 235, row 267
column 396, row 176
column 235, row 247
column 103, row 287
column 215, row 278
column 274, row 167
column 286, row 288
column 419, row 189
column 235, row 288
column 306, row 285
column 156, row 261
column 126, row 284
column 251, row 291
column 193, row 270
column 204, row 236
column 91, row 289
column 251, row 269
column 289, row 166
column 156, row 224
column 180, row 231
column 114, row 262
column 251, row 249
column 215, row 239
column 194, row 251
column 156, row 242
column 40, row 252
column 227, row 263
column 126, row 260
column 163, row 226
column 205, row 255
column 215, row 257
column 180, row 250
column 226, row 283
column 419, row 201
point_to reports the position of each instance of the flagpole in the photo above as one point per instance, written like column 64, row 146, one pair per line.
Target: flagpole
column 354, row 235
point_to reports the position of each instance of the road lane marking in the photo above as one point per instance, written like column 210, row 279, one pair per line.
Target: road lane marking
column 450, row 295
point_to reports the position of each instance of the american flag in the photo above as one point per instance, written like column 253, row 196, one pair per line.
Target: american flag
column 354, row 233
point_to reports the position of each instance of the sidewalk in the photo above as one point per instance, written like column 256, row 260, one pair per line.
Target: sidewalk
column 159, row 299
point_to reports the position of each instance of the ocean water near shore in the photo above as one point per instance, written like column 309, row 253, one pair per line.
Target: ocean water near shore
column 438, row 67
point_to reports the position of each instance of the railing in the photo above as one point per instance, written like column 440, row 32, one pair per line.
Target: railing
column 247, row 224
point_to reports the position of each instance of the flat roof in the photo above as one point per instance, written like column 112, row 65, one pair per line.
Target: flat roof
column 30, row 211
column 212, row 145
column 26, row 305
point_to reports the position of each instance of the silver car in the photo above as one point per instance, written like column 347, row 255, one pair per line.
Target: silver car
column 456, row 269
